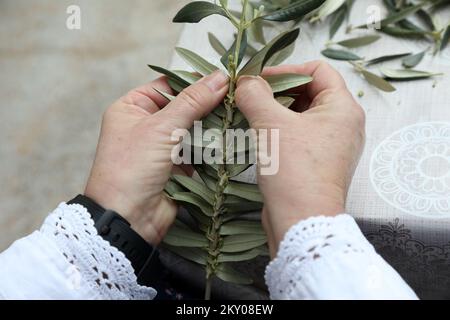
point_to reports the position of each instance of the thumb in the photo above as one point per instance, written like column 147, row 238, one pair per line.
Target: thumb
column 196, row 101
column 255, row 99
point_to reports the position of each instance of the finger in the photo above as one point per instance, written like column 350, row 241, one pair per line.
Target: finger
column 255, row 99
column 147, row 98
column 325, row 77
column 196, row 101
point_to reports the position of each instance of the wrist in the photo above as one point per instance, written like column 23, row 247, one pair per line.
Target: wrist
column 113, row 199
column 289, row 211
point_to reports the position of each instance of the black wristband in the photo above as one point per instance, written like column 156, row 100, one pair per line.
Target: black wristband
column 117, row 231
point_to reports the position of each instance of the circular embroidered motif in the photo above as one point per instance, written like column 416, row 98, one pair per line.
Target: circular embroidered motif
column 411, row 169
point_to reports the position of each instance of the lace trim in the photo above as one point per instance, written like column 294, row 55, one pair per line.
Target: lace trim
column 101, row 266
column 305, row 244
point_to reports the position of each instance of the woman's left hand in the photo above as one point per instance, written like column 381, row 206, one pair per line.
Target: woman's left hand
column 133, row 161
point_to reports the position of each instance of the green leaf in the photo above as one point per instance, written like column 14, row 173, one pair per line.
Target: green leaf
column 327, row 8
column 242, row 256
column 337, row 20
column 194, row 199
column 196, row 11
column 281, row 56
column 216, row 44
column 255, row 30
column 283, row 82
column 172, row 76
column 182, row 237
column 359, row 42
column 192, row 254
column 172, row 188
column 294, row 11
column 241, row 227
column 243, row 242
column 445, row 38
column 210, row 181
column 413, row 60
column 188, row 76
column 244, row 190
column 232, row 49
column 236, row 169
column 377, row 81
column 212, row 121
column 340, row 55
column 407, row 74
column 403, row 33
column 195, row 61
column 255, row 65
column 226, row 273
column 165, row 95
column 285, row 101
column 241, row 205
column 195, row 187
column 386, row 58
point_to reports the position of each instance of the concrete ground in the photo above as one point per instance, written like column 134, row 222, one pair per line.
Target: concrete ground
column 54, row 85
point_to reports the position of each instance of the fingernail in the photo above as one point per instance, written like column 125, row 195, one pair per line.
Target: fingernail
column 216, row 80
column 246, row 78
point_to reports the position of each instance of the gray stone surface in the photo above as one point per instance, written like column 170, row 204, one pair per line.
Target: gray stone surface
column 54, row 86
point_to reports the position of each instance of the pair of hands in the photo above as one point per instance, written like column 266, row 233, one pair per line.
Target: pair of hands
column 319, row 148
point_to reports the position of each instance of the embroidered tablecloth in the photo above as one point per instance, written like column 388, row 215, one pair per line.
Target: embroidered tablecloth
column 400, row 194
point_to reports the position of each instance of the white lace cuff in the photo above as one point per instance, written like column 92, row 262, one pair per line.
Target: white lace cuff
column 329, row 258
column 98, row 265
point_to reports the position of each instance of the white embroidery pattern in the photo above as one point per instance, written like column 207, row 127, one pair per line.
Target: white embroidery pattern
column 411, row 169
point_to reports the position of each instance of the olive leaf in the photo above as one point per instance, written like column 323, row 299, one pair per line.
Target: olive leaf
column 242, row 256
column 172, row 76
column 190, row 198
column 283, row 82
column 255, row 65
column 165, row 95
column 377, row 81
column 386, row 58
column 255, row 30
column 226, row 273
column 413, row 60
column 232, row 49
column 407, row 74
column 338, row 17
column 242, row 242
column 196, row 62
column 281, row 56
column 241, row 227
column 359, row 41
column 236, row 169
column 285, row 101
column 216, row 44
column 195, row 187
column 445, row 38
column 192, row 254
column 187, row 76
column 244, row 190
column 182, row 237
column 340, row 55
column 403, row 32
column 196, row 11
column 294, row 11
column 327, row 8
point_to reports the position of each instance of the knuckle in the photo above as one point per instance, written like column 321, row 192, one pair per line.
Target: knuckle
column 194, row 97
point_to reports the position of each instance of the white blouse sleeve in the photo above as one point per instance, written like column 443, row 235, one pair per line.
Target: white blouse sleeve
column 66, row 259
column 329, row 258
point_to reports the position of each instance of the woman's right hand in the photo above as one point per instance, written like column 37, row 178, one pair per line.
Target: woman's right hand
column 321, row 140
